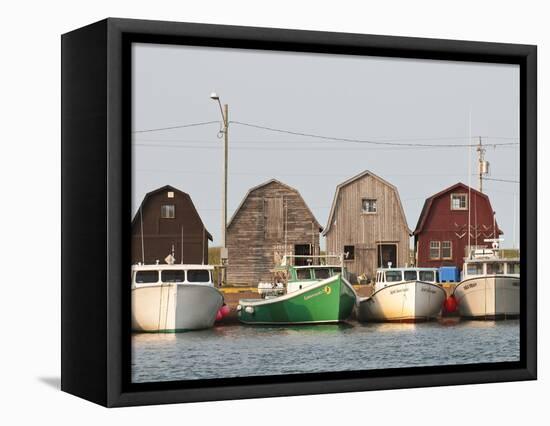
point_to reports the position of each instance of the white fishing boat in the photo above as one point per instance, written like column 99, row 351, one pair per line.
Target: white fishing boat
column 490, row 285
column 403, row 294
column 170, row 298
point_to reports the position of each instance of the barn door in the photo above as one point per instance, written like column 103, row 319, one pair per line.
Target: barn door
column 387, row 253
column 302, row 250
column 273, row 218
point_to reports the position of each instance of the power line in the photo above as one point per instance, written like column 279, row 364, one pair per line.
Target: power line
column 181, row 126
column 501, row 180
column 366, row 141
column 294, row 148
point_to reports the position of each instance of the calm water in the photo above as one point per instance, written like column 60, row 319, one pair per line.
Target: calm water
column 239, row 351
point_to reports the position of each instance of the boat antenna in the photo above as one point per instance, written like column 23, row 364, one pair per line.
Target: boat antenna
column 141, row 231
column 469, row 181
column 203, row 232
column 380, row 243
column 182, row 244
column 286, row 222
column 494, row 225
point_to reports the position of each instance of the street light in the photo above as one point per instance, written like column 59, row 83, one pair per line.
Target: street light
column 225, row 117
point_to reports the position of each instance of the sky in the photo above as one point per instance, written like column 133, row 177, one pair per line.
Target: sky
column 366, row 99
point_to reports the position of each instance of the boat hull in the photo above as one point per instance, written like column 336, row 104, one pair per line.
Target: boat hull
column 330, row 300
column 488, row 297
column 171, row 308
column 409, row 301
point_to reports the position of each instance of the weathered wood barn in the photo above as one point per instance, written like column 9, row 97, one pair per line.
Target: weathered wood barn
column 167, row 221
column 367, row 224
column 441, row 234
column 271, row 221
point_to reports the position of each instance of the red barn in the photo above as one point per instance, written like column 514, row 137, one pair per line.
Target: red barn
column 441, row 234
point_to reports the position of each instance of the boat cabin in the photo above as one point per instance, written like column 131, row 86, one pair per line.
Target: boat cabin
column 152, row 275
column 300, row 277
column 478, row 267
column 390, row 276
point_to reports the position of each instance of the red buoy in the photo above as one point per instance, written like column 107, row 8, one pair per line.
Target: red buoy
column 450, row 304
column 225, row 310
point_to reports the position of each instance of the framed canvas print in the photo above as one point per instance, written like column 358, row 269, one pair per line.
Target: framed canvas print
column 255, row 212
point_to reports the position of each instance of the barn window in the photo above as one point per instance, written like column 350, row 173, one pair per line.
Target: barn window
column 435, row 249
column 349, row 252
column 446, row 250
column 168, row 211
column 368, row 205
column 459, row 201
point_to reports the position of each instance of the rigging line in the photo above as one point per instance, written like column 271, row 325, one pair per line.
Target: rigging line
column 311, row 135
column 181, row 126
column 501, row 180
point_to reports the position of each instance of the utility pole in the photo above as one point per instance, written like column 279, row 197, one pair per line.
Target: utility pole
column 225, row 130
column 483, row 166
column 225, row 162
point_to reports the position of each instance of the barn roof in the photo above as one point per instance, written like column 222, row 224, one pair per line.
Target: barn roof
column 353, row 179
column 270, row 181
column 171, row 188
column 429, row 201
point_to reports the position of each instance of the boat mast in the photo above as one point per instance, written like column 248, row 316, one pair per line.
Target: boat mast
column 141, row 231
column 469, row 182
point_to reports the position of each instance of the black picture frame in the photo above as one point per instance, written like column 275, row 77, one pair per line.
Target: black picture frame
column 95, row 349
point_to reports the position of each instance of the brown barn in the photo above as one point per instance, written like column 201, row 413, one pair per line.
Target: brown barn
column 167, row 220
column 441, row 235
column 271, row 221
column 367, row 224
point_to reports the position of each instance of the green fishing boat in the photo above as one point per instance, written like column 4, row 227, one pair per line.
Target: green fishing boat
column 301, row 295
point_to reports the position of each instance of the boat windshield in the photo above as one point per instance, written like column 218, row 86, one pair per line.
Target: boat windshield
column 173, row 276
column 198, row 276
column 410, row 275
column 303, row 274
column 513, row 268
column 393, row 276
column 322, row 273
column 495, row 268
column 474, row 268
column 143, row 277
column 427, row 276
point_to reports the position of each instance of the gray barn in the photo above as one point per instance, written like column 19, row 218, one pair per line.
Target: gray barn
column 271, row 221
column 367, row 224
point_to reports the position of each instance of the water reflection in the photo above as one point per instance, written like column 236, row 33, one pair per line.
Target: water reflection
column 238, row 351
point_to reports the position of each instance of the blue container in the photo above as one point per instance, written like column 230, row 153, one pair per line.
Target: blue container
column 449, row 274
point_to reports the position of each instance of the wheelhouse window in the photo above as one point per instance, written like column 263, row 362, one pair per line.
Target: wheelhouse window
column 174, row 276
column 435, row 249
column 322, row 273
column 144, row 277
column 474, row 268
column 459, row 201
column 513, row 268
column 349, row 252
column 394, row 276
column 168, row 211
column 495, row 268
column 410, row 275
column 368, row 205
column 303, row 274
column 427, row 276
column 198, row 276
column 446, row 250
